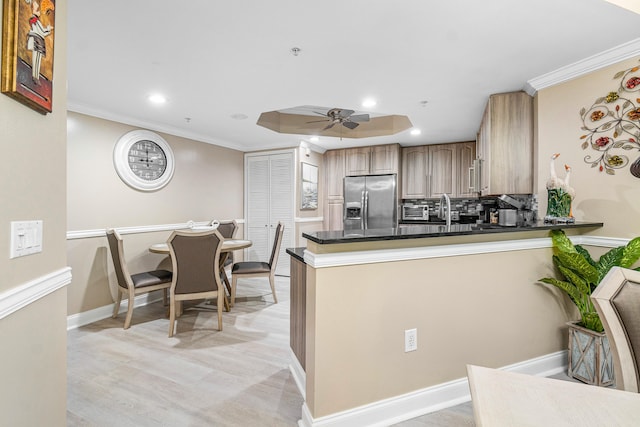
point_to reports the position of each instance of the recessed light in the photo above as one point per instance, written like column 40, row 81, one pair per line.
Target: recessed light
column 157, row 98
column 416, row 132
column 239, row 116
column 369, row 102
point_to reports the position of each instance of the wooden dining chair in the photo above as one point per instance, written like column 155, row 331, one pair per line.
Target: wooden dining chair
column 228, row 230
column 195, row 257
column 257, row 268
column 617, row 301
column 133, row 284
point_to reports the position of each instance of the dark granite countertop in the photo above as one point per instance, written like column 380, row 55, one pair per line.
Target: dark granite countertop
column 430, row 230
column 297, row 253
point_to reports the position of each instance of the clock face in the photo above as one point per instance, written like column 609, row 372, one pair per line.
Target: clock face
column 143, row 160
column 147, row 160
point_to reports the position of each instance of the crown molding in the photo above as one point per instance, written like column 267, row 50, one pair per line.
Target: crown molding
column 584, row 66
column 170, row 130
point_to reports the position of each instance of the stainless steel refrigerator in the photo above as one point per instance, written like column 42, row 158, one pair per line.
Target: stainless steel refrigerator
column 370, row 201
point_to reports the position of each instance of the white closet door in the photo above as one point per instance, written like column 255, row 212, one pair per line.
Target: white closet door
column 258, row 207
column 270, row 186
column 282, row 187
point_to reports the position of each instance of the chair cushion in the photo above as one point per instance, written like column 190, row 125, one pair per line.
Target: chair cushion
column 250, row 267
column 150, row 278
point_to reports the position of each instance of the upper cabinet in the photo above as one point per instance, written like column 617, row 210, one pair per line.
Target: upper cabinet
column 465, row 155
column 334, row 164
column 357, row 160
column 429, row 171
column 373, row 160
column 505, row 145
column 442, row 171
column 414, row 172
column 385, row 159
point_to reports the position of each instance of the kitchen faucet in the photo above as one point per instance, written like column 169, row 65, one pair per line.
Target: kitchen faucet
column 441, row 214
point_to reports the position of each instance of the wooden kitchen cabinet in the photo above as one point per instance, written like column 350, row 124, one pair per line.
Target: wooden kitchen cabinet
column 377, row 159
column 414, row 172
column 442, row 170
column 505, row 145
column 334, row 172
column 357, row 161
column 428, row 171
column 333, row 218
column 385, row 159
column 465, row 154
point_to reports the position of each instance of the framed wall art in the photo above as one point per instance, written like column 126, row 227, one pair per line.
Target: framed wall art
column 27, row 52
column 309, row 187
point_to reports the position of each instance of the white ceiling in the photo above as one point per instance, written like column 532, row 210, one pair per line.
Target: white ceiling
column 217, row 59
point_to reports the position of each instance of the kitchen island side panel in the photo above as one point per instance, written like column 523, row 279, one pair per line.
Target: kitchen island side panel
column 483, row 309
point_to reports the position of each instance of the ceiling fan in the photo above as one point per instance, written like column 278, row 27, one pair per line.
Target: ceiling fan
column 341, row 116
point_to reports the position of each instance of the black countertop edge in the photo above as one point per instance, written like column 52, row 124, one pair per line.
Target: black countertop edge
column 297, row 253
column 422, row 231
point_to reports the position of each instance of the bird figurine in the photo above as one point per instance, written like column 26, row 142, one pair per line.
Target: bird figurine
column 564, row 184
column 553, row 182
column 560, row 194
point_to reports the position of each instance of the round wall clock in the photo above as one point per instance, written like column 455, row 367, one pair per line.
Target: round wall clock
column 143, row 160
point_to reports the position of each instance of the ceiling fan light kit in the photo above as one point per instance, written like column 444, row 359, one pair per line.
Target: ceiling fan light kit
column 305, row 120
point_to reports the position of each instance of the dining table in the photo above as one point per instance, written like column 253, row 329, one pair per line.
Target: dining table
column 506, row 399
column 228, row 246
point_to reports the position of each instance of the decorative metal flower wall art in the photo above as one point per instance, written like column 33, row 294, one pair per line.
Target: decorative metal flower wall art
column 612, row 124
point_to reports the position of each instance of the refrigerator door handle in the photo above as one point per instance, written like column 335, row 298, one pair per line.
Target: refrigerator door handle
column 366, row 208
column 363, row 209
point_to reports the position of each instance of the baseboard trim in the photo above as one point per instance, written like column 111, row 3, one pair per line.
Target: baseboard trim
column 404, row 407
column 86, row 317
column 20, row 296
column 298, row 373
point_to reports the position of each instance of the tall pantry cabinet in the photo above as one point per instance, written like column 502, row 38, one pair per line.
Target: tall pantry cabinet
column 334, row 164
column 270, row 198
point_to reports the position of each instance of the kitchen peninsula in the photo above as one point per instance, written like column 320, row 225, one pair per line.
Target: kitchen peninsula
column 470, row 292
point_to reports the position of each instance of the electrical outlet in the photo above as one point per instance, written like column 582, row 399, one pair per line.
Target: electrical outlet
column 410, row 340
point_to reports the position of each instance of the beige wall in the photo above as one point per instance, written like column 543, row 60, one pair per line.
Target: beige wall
column 307, row 226
column 613, row 199
column 33, row 365
column 207, row 184
column 490, row 313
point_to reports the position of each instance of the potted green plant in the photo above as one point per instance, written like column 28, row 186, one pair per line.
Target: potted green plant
column 589, row 356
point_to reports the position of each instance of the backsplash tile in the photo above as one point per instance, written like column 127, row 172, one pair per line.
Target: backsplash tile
column 480, row 206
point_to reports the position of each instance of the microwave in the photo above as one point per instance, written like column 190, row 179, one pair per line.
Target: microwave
column 415, row 212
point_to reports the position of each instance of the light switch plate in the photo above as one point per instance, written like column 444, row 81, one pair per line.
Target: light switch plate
column 26, row 238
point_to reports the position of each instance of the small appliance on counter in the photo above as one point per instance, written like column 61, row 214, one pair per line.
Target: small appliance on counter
column 507, row 217
column 414, row 212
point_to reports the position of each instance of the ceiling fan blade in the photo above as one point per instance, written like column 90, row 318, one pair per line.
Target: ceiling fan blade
column 329, row 126
column 345, row 113
column 350, row 125
column 318, row 121
column 359, row 118
column 319, row 113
